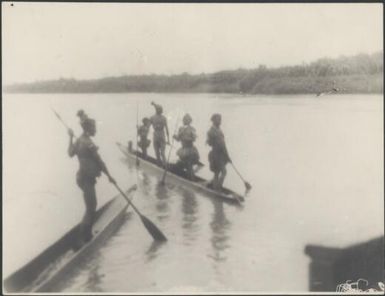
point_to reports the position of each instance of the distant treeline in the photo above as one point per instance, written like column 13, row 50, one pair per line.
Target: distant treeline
column 362, row 73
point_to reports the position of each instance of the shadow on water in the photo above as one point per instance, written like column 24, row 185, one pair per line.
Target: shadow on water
column 220, row 226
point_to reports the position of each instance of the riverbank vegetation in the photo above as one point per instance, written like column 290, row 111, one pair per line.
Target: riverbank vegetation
column 362, row 73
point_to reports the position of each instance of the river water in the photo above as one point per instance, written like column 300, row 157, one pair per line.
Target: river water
column 315, row 164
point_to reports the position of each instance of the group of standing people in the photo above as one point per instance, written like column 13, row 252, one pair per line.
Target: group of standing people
column 189, row 159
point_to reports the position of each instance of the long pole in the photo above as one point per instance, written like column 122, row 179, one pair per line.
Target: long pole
column 137, row 127
column 247, row 184
column 162, row 182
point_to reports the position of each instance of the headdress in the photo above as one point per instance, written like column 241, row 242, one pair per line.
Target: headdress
column 187, row 119
column 215, row 117
column 158, row 108
column 85, row 122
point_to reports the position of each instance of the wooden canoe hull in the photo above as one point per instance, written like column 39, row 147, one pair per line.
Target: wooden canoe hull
column 201, row 185
column 45, row 271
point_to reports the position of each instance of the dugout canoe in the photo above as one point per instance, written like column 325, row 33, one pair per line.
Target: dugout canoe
column 49, row 267
column 199, row 184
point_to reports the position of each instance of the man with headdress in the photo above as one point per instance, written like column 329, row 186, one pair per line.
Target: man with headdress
column 159, row 124
column 188, row 154
column 143, row 130
column 90, row 167
column 218, row 156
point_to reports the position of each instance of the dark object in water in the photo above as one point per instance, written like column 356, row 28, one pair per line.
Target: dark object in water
column 331, row 267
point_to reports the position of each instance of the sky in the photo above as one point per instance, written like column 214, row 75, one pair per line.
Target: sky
column 43, row 41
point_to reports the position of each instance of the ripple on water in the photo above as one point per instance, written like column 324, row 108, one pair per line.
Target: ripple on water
column 301, row 155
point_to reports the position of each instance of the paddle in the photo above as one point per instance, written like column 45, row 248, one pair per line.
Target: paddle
column 162, row 182
column 150, row 226
column 247, row 184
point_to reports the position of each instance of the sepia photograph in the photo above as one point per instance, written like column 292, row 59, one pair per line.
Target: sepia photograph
column 192, row 148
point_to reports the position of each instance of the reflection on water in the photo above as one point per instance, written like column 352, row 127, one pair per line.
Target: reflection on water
column 306, row 156
column 220, row 226
column 146, row 182
column 162, row 207
column 190, row 211
column 152, row 251
column 94, row 278
column 130, row 164
column 86, row 276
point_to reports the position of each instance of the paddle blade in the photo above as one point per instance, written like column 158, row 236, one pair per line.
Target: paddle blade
column 152, row 229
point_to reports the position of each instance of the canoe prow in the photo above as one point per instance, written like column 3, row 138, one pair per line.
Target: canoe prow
column 48, row 267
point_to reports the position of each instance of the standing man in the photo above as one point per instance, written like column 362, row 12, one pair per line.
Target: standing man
column 218, row 156
column 90, row 168
column 159, row 124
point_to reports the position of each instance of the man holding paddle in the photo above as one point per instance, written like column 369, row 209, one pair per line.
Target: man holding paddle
column 90, row 167
column 218, row 156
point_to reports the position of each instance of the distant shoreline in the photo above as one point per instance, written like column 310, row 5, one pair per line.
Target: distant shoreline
column 179, row 92
column 360, row 74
